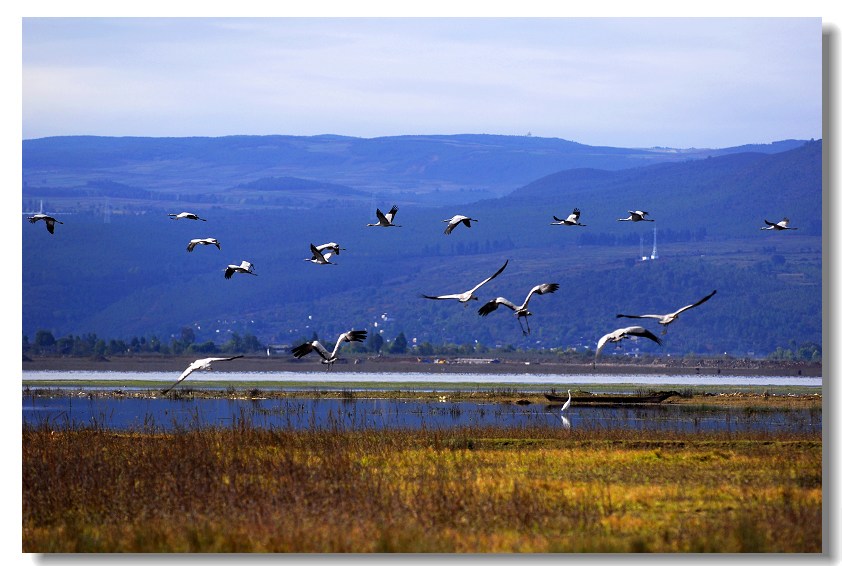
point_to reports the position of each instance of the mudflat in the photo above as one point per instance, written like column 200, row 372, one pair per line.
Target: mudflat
column 411, row 364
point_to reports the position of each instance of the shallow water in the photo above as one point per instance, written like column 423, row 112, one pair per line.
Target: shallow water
column 168, row 414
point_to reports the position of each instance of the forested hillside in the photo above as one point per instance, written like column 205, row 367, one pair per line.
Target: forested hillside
column 124, row 275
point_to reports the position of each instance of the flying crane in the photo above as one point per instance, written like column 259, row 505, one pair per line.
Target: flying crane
column 469, row 294
column 519, row 310
column 329, row 358
column 668, row 318
column 198, row 365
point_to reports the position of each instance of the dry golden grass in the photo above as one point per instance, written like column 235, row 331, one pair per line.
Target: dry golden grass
column 538, row 489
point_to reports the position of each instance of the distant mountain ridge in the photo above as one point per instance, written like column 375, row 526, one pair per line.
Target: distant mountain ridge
column 457, row 168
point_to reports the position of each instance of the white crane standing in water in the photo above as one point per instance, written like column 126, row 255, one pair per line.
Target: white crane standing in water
column 329, row 358
column 244, row 267
column 456, row 221
column 203, row 364
column 519, row 310
column 468, row 295
column 187, row 215
column 666, row 319
column 386, row 220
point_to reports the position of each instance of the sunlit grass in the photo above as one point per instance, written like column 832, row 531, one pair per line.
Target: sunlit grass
column 536, row 489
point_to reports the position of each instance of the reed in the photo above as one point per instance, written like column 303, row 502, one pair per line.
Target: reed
column 490, row 490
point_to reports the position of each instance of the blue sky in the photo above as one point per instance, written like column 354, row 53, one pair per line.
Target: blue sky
column 625, row 82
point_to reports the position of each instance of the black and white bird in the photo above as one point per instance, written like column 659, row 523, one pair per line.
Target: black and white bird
column 519, row 310
column 203, row 364
column 329, row 358
column 636, row 216
column 456, row 221
column 332, row 246
column 244, row 267
column 668, row 318
column 468, row 295
column 622, row 333
column 386, row 220
column 203, row 242
column 48, row 220
column 782, row 225
column 318, row 257
column 187, row 215
column 571, row 220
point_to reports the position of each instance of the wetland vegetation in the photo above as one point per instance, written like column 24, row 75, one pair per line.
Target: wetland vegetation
column 463, row 490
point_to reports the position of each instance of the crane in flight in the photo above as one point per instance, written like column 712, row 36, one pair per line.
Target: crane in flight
column 782, row 225
column 387, row 220
column 204, row 242
column 622, row 333
column 332, row 246
column 48, row 220
column 571, row 220
column 203, row 364
column 187, row 215
column 636, row 216
column 666, row 319
column 456, row 220
column 469, row 294
column 244, row 267
column 329, row 358
column 519, row 310
column 318, row 257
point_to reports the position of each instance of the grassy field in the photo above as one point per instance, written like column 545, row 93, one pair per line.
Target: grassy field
column 537, row 489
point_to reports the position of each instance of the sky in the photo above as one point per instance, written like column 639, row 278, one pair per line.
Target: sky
column 617, row 81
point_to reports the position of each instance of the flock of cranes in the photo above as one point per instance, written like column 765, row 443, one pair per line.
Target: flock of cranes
column 322, row 255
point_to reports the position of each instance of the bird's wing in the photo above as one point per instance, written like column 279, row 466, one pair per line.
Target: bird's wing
column 466, row 222
column 572, row 218
column 643, row 333
column 453, row 296
column 382, row 217
column 557, row 219
column 602, row 341
column 450, row 227
column 229, row 271
column 391, row 214
column 215, row 242
column 657, row 316
column 303, row 349
column 484, row 281
column 317, row 254
column 350, row 336
column 51, row 225
column 540, row 290
column 492, row 305
column 191, row 245
column 696, row 304
column 209, row 360
column 769, row 223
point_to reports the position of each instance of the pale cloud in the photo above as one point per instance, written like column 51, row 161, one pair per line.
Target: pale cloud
column 613, row 81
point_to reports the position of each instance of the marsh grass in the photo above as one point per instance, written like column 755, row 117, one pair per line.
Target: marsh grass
column 468, row 489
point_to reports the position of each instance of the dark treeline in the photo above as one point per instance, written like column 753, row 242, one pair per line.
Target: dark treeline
column 91, row 346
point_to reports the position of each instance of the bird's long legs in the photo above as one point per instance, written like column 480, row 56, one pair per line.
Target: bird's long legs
column 526, row 331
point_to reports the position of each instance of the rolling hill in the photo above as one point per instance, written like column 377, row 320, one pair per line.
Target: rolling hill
column 127, row 273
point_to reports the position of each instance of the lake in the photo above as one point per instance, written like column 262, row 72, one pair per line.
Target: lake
column 129, row 413
column 416, row 380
